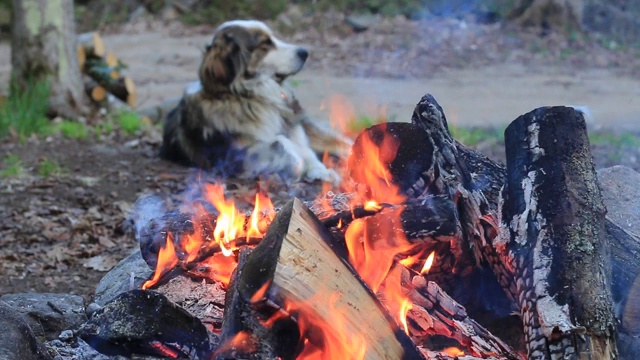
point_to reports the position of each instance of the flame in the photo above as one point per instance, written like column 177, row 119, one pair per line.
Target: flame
column 372, row 205
column 369, row 165
column 342, row 114
column 428, row 263
column 231, row 225
column 338, row 340
column 404, row 310
column 242, row 342
column 167, row 260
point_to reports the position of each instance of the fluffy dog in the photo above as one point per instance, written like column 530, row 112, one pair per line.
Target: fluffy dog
column 240, row 115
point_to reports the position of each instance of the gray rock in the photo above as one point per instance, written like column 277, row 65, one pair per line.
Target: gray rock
column 49, row 314
column 360, row 23
column 620, row 192
column 119, row 279
column 17, row 341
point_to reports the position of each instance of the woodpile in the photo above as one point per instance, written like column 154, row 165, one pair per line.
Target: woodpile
column 102, row 72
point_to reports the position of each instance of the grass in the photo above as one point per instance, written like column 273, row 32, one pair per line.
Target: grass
column 474, row 136
column 129, row 122
column 607, row 138
column 12, row 167
column 24, row 112
column 72, row 129
column 48, row 168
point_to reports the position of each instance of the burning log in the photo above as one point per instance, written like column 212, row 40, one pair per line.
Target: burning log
column 297, row 268
column 553, row 237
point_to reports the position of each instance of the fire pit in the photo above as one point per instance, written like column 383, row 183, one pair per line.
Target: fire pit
column 425, row 240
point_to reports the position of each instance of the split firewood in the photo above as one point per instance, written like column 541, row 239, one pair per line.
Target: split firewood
column 553, row 237
column 92, row 44
column 297, row 267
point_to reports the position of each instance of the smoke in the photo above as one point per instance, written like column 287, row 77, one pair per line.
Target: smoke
column 147, row 208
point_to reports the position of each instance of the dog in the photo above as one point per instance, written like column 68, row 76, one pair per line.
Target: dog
column 240, row 116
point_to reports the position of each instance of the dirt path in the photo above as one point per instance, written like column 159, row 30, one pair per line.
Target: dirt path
column 492, row 95
column 161, row 64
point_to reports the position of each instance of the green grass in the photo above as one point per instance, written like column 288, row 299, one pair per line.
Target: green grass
column 607, row 138
column 471, row 136
column 24, row 111
column 72, row 129
column 48, row 168
column 129, row 122
column 11, row 167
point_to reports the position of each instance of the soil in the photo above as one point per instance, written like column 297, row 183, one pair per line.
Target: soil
column 60, row 233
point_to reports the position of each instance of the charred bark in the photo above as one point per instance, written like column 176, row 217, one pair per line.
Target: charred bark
column 552, row 238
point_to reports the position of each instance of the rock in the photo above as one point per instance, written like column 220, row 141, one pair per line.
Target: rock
column 17, row 341
column 360, row 23
column 620, row 192
column 49, row 314
column 147, row 323
column 78, row 349
column 119, row 279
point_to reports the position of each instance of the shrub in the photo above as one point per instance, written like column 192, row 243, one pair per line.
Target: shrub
column 24, row 111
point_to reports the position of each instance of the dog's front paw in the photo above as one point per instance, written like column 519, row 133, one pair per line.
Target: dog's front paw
column 323, row 174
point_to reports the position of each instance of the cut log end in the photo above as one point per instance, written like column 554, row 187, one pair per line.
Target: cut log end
column 92, row 44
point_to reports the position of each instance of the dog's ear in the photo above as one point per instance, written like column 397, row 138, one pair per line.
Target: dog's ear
column 224, row 59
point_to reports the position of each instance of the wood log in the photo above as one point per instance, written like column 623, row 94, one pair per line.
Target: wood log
column 435, row 312
column 82, row 57
column 297, row 266
column 111, row 60
column 124, row 89
column 92, row 44
column 552, row 238
column 95, row 91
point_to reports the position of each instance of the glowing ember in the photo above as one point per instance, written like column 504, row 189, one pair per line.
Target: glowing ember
column 453, row 351
column 372, row 205
column 428, row 263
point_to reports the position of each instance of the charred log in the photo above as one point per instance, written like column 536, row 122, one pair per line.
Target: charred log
column 146, row 323
column 552, row 241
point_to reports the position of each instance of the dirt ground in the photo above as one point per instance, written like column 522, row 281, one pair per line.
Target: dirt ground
column 61, row 233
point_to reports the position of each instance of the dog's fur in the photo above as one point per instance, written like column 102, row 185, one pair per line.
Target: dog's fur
column 241, row 114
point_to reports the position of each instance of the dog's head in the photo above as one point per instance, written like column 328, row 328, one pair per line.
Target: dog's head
column 245, row 49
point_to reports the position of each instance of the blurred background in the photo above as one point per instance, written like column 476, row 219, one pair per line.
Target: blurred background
column 84, row 86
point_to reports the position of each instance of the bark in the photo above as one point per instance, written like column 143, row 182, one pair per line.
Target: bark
column 552, row 238
column 43, row 48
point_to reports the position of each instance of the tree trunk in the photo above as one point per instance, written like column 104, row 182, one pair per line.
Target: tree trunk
column 553, row 231
column 560, row 15
column 43, row 48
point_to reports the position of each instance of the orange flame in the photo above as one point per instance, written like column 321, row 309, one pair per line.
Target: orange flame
column 404, row 310
column 242, row 342
column 428, row 263
column 338, row 340
column 230, row 226
column 167, row 260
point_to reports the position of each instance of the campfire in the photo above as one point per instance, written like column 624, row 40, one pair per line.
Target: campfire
column 423, row 236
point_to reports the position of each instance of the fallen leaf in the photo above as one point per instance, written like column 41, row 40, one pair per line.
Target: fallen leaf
column 100, row 263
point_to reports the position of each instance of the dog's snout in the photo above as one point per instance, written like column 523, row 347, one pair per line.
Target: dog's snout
column 303, row 54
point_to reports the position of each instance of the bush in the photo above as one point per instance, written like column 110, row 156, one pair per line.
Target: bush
column 72, row 129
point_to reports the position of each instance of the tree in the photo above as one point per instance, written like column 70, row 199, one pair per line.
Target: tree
column 43, row 48
column 559, row 15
